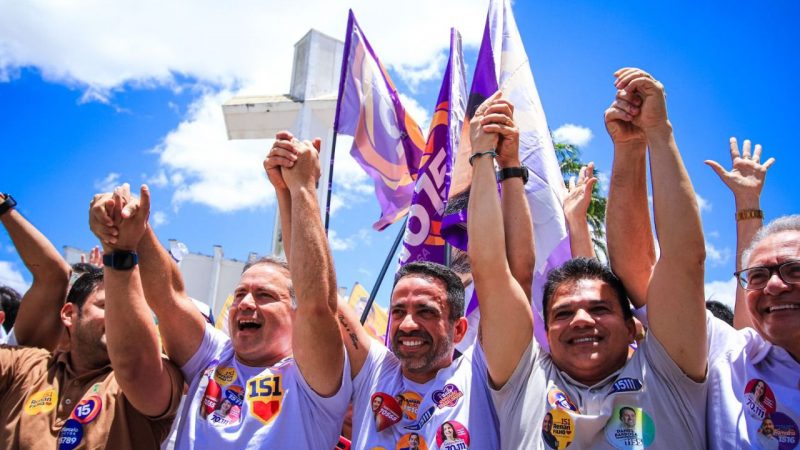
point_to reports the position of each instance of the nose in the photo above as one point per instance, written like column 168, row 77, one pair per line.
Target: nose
column 775, row 284
column 407, row 323
column 247, row 302
column 582, row 318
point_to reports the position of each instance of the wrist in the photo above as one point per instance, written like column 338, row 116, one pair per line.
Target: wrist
column 504, row 163
column 657, row 132
column 747, row 202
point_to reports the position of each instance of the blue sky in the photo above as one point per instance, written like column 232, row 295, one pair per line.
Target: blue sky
column 96, row 93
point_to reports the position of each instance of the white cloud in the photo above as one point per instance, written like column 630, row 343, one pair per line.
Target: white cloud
column 722, row 291
column 158, row 180
column 432, row 69
column 363, row 236
column 11, row 277
column 604, row 181
column 702, row 204
column 108, row 183
column 418, row 112
column 159, row 218
column 717, row 256
column 573, row 134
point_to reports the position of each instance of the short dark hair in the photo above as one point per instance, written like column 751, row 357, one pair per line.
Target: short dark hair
column 721, row 311
column 279, row 263
column 582, row 268
column 84, row 285
column 9, row 304
column 624, row 408
column 453, row 284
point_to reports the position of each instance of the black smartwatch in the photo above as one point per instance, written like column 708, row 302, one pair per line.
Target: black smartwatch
column 7, row 204
column 513, row 172
column 120, row 260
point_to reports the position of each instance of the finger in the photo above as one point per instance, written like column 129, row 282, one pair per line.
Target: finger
column 590, row 185
column 590, row 169
column 83, row 258
column 317, row 143
column 507, row 103
column 624, row 94
column 768, row 163
column 644, row 85
column 285, row 145
column 284, row 135
column 282, row 153
column 626, row 106
column 721, row 172
column 496, row 118
column 503, row 130
column 746, row 149
column 144, row 201
column 582, row 175
column 614, row 113
column 572, row 183
column 500, row 108
column 628, row 76
column 485, row 105
column 757, row 153
column 276, row 162
column 734, row 149
column 118, row 204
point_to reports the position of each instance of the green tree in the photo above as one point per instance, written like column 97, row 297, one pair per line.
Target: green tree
column 569, row 162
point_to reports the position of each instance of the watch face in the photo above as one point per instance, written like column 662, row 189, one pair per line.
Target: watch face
column 124, row 260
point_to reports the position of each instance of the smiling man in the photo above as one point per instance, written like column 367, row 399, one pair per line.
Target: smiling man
column 281, row 370
column 580, row 389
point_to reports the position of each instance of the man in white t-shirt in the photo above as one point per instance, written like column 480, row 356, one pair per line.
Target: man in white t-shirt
column 587, row 393
column 277, row 381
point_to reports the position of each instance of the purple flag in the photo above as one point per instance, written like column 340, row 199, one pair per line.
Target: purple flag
column 422, row 240
column 503, row 63
column 387, row 142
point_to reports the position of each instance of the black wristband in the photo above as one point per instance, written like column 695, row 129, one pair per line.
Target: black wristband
column 513, row 172
column 7, row 204
column 121, row 260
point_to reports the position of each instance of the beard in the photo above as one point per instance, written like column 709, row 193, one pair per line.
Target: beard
column 428, row 361
column 92, row 345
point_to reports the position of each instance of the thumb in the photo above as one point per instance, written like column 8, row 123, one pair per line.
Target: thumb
column 144, row 201
column 720, row 171
column 317, row 143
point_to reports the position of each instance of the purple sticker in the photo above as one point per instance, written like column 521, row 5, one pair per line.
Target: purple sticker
column 778, row 429
column 447, row 396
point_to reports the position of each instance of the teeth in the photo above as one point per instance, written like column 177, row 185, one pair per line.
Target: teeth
column 585, row 339
column 412, row 343
column 782, row 307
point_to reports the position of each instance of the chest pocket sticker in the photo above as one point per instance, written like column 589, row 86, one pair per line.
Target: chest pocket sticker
column 264, row 397
column 41, row 402
column 759, row 400
column 558, row 429
column 630, row 428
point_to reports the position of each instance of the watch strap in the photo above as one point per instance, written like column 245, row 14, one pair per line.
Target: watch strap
column 121, row 260
column 7, row 204
column 513, row 172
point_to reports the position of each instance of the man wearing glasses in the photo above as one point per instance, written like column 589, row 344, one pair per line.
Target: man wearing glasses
column 764, row 360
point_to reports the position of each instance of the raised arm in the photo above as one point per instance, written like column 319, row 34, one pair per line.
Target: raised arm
column 38, row 322
column 181, row 324
column 506, row 319
column 133, row 346
column 576, row 205
column 517, row 224
column 745, row 180
column 631, row 249
column 675, row 299
column 316, row 342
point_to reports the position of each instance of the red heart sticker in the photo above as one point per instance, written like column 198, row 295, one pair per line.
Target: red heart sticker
column 386, row 409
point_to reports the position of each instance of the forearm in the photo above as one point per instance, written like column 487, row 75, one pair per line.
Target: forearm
column 181, row 323
column 629, row 235
column 285, row 212
column 518, row 230
column 580, row 238
column 133, row 345
column 745, row 230
column 317, row 344
column 38, row 323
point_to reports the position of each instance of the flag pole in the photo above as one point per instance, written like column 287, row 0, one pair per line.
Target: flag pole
column 330, row 184
column 385, row 267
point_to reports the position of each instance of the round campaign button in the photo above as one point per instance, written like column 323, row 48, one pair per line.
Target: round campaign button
column 759, row 400
column 630, row 428
column 452, row 436
column 558, row 429
column 412, row 441
column 70, row 435
column 777, row 431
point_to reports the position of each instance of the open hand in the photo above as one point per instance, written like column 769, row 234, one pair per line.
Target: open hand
column 746, row 177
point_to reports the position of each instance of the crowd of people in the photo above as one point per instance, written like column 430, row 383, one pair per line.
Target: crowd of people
column 632, row 360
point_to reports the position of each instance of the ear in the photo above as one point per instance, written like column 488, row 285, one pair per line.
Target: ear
column 631, row 325
column 461, row 326
column 68, row 313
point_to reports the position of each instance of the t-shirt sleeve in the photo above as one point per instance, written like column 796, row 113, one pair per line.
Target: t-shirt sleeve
column 510, row 397
column 660, row 361
column 333, row 408
column 11, row 338
column 213, row 343
column 176, row 392
column 364, row 378
column 721, row 337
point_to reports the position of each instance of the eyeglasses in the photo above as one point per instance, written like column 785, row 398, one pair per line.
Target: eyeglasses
column 756, row 278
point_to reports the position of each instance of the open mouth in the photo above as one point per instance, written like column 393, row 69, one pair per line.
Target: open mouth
column 772, row 309
column 248, row 325
column 585, row 340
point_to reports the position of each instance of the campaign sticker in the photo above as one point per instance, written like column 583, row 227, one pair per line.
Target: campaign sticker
column 87, row 409
column 41, row 402
column 452, row 436
column 225, row 375
column 386, row 410
column 411, row 441
column 556, row 398
column 423, row 419
column 630, row 428
column 70, row 435
column 210, row 398
column 265, row 397
column 558, row 429
column 447, row 396
column 626, row 385
column 229, row 407
column 759, row 401
column 409, row 402
column 778, row 431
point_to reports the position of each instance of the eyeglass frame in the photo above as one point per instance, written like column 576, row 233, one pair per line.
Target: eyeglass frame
column 775, row 268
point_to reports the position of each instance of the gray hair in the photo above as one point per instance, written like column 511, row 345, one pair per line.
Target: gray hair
column 781, row 224
column 279, row 263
